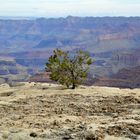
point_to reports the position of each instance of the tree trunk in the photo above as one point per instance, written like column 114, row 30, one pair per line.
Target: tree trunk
column 67, row 85
column 73, row 86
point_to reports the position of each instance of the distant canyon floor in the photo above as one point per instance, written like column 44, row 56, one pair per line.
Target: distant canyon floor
column 42, row 111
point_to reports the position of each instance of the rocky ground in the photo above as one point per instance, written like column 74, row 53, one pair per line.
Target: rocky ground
column 34, row 111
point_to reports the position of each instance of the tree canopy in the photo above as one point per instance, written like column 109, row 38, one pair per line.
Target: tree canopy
column 69, row 69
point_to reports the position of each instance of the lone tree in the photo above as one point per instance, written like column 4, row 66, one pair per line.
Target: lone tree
column 68, row 69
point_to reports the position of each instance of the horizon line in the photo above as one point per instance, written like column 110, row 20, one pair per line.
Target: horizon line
column 57, row 17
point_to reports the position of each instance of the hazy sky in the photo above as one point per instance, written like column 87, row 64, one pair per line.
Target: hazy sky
column 59, row 8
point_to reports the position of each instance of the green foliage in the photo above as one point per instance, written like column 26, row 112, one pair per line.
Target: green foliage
column 68, row 69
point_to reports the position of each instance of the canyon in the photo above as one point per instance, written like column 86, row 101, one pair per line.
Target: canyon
column 113, row 42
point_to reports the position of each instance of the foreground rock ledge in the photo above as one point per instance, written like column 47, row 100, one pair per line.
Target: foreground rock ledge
column 50, row 112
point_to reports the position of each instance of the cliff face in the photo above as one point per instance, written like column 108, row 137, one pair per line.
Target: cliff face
column 128, row 59
column 125, row 78
column 11, row 71
column 41, row 77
